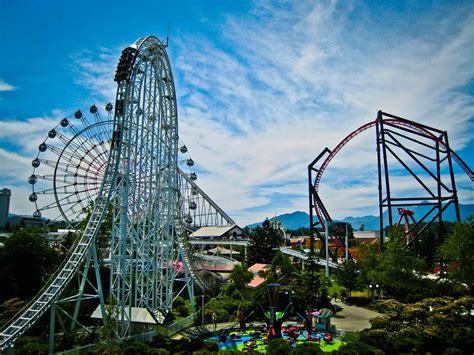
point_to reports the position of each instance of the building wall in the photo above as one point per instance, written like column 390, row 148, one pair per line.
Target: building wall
column 4, row 206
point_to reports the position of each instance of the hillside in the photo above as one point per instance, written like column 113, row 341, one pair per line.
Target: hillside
column 300, row 219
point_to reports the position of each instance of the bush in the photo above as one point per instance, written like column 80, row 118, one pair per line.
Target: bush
column 183, row 310
column 134, row 347
column 278, row 347
column 306, row 348
column 179, row 301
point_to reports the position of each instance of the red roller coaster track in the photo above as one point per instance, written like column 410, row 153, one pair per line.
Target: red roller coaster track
column 397, row 121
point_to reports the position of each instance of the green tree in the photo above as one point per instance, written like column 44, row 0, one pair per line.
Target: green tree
column 26, row 261
column 368, row 261
column 399, row 271
column 432, row 325
column 281, row 269
column 240, row 277
column 264, row 242
column 348, row 276
column 311, row 290
column 458, row 250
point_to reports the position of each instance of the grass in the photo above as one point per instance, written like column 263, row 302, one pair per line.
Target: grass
column 261, row 346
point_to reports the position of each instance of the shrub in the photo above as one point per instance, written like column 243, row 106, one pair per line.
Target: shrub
column 278, row 347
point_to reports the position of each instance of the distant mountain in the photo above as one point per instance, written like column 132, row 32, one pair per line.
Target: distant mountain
column 291, row 221
column 300, row 219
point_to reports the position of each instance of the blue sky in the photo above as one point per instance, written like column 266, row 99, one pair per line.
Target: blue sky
column 262, row 86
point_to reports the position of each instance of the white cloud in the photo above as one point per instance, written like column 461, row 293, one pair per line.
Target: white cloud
column 264, row 96
column 5, row 86
column 299, row 79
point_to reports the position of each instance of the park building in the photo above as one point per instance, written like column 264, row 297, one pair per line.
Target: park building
column 219, row 232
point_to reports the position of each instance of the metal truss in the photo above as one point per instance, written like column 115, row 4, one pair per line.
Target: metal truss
column 198, row 208
column 421, row 151
column 150, row 201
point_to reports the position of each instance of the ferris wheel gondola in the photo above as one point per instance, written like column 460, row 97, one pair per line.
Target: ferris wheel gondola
column 70, row 164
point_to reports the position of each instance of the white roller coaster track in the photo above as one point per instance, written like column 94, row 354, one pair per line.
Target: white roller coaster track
column 60, row 280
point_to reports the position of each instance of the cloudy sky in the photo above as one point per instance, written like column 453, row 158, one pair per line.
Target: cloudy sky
column 263, row 87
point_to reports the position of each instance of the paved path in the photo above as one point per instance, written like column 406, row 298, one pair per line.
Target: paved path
column 352, row 318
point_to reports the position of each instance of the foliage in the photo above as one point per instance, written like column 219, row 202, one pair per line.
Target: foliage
column 368, row 261
column 353, row 344
column 311, row 289
column 226, row 305
column 298, row 232
column 348, row 276
column 178, row 301
column 26, row 260
column 458, row 248
column 432, row 325
column 9, row 308
column 183, row 345
column 281, row 269
column 240, row 276
column 306, row 348
column 428, row 242
column 264, row 242
column 183, row 311
column 27, row 345
column 278, row 347
column 399, row 271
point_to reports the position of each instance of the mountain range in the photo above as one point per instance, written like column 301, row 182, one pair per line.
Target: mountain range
column 300, row 219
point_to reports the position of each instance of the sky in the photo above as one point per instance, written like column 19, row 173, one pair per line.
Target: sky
column 262, row 87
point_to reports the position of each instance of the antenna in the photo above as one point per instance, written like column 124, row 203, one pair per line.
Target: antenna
column 167, row 35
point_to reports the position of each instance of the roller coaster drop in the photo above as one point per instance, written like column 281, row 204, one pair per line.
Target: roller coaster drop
column 126, row 169
column 422, row 152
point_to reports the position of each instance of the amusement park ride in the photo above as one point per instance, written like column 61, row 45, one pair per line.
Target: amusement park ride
column 122, row 165
column 421, row 152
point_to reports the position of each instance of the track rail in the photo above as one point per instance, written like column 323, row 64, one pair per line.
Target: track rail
column 23, row 321
column 305, row 257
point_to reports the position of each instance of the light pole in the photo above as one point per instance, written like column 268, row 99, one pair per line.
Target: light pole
column 202, row 307
column 289, row 293
column 373, row 288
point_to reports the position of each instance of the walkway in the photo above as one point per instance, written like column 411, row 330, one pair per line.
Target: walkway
column 353, row 318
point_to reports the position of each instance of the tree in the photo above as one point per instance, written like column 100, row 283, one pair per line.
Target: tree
column 26, row 261
column 432, row 325
column 306, row 348
column 264, row 242
column 458, row 249
column 240, row 277
column 399, row 271
column 311, row 290
column 281, row 269
column 348, row 276
column 368, row 261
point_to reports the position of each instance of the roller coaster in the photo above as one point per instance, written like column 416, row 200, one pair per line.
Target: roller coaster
column 120, row 166
column 420, row 151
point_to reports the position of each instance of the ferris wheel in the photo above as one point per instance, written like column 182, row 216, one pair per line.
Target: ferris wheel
column 70, row 164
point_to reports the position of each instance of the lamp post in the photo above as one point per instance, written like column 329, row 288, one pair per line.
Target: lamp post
column 289, row 293
column 373, row 288
column 202, row 307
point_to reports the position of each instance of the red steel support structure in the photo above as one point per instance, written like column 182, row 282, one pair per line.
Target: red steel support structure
column 417, row 150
